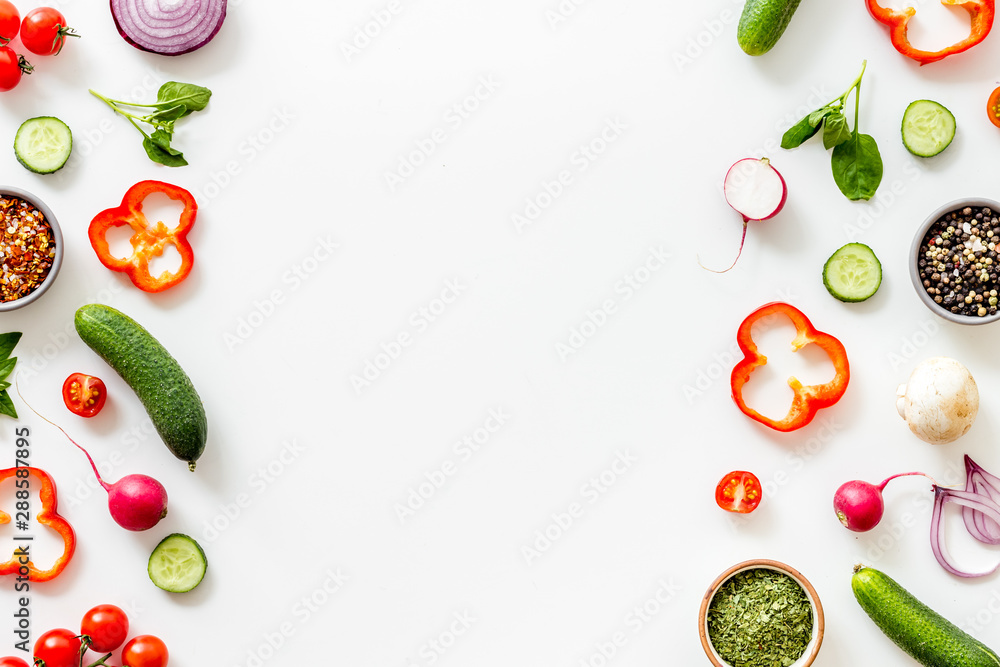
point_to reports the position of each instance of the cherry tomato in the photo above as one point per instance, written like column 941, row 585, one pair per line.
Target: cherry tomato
column 12, row 66
column 44, row 30
column 739, row 491
column 11, row 661
column 107, row 627
column 58, row 648
column 84, row 394
column 145, row 651
column 10, row 21
column 993, row 107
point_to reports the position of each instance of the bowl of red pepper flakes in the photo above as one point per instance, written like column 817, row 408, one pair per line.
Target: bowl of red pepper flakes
column 31, row 248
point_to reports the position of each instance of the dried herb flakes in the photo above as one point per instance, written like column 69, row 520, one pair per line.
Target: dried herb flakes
column 760, row 618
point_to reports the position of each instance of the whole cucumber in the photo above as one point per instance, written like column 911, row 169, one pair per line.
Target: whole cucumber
column 158, row 380
column 925, row 635
column 762, row 24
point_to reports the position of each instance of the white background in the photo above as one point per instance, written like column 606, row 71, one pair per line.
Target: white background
column 291, row 157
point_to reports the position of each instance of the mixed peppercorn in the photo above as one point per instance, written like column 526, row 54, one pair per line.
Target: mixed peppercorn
column 959, row 261
column 27, row 246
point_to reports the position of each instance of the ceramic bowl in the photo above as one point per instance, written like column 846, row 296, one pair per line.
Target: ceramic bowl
column 918, row 238
column 8, row 191
column 815, row 642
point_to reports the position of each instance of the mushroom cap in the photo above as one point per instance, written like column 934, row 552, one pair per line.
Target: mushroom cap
column 940, row 400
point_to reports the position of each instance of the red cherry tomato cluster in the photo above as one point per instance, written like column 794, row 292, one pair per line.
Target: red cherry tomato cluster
column 84, row 395
column 43, row 32
column 103, row 629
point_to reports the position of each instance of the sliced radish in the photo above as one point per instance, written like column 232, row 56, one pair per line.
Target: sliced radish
column 756, row 191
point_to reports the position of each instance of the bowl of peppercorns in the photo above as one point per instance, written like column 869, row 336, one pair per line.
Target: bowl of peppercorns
column 31, row 248
column 955, row 261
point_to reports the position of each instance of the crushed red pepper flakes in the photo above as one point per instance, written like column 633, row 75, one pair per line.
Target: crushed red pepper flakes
column 27, row 248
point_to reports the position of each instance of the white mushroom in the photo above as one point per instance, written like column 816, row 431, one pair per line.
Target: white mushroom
column 940, row 400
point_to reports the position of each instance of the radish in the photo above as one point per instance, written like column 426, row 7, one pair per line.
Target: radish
column 755, row 190
column 859, row 505
column 136, row 502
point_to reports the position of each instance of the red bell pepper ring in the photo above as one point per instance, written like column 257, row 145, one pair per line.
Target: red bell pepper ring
column 807, row 399
column 21, row 562
column 148, row 241
column 981, row 13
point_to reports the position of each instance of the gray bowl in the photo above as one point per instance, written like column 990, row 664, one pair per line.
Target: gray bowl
column 9, row 191
column 918, row 238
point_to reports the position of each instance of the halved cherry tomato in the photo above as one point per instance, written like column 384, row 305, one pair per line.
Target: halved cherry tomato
column 739, row 491
column 84, row 394
column 993, row 107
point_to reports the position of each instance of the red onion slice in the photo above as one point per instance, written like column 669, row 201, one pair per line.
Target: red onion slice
column 983, row 483
column 168, row 28
column 978, row 503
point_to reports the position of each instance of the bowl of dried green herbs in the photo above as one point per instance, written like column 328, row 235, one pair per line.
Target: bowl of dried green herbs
column 761, row 613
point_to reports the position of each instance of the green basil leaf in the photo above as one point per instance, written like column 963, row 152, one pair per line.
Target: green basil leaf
column 166, row 156
column 857, row 167
column 168, row 114
column 194, row 98
column 7, row 343
column 835, row 130
column 6, row 366
column 797, row 134
column 7, row 405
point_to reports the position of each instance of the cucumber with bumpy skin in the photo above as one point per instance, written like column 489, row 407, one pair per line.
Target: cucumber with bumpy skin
column 925, row 635
column 762, row 23
column 158, row 380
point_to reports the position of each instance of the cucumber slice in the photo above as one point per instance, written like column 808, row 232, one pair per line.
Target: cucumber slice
column 853, row 273
column 43, row 144
column 177, row 564
column 928, row 128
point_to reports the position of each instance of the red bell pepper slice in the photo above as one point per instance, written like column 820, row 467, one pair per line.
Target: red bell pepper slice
column 47, row 516
column 981, row 13
column 807, row 399
column 148, row 241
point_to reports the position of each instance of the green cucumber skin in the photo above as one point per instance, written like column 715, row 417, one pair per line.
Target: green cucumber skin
column 925, row 635
column 158, row 380
column 762, row 24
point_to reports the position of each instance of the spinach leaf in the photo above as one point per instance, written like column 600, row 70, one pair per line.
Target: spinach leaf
column 857, row 167
column 173, row 93
column 835, row 130
column 797, row 134
column 162, row 154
